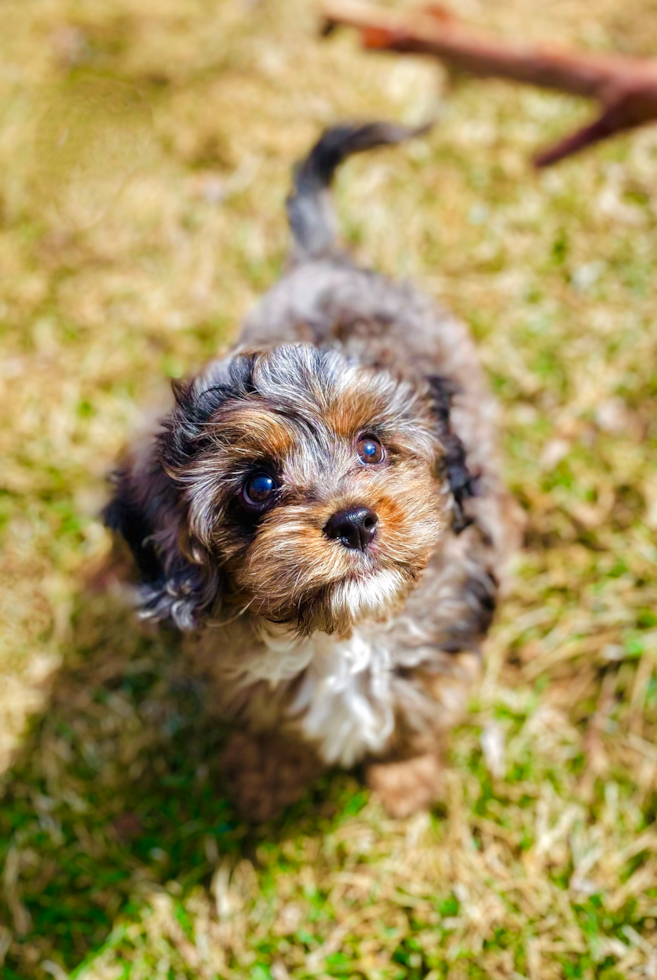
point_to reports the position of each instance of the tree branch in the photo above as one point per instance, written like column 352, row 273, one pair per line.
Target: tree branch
column 625, row 88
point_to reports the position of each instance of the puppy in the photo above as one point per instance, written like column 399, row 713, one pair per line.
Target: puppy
column 322, row 511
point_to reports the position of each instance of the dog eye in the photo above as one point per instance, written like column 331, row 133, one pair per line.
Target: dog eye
column 370, row 450
column 259, row 489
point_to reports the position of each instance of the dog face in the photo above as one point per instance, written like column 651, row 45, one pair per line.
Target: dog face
column 298, row 484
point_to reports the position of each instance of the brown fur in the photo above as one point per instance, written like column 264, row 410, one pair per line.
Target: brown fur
column 267, row 774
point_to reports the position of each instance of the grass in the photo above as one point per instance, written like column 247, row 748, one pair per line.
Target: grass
column 145, row 150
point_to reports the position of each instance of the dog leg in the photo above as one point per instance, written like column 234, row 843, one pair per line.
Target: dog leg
column 409, row 778
column 267, row 773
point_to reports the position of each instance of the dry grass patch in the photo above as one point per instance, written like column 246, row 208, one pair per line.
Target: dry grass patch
column 145, row 150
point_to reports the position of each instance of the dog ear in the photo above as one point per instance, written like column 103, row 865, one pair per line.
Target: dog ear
column 150, row 509
column 178, row 582
column 461, row 482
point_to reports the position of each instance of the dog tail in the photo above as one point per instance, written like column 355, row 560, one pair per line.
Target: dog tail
column 309, row 209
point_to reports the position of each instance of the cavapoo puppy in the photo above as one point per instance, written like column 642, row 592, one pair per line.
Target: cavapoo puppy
column 322, row 511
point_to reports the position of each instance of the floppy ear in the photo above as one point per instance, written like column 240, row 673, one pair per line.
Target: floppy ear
column 462, row 483
column 178, row 584
column 180, row 579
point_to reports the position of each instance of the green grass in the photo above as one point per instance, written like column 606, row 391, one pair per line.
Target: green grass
column 130, row 249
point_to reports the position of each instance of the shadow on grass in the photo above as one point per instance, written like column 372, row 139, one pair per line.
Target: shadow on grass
column 118, row 786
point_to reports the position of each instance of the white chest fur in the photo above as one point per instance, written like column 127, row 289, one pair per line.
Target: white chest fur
column 344, row 703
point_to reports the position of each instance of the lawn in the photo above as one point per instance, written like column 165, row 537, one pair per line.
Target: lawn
column 145, row 152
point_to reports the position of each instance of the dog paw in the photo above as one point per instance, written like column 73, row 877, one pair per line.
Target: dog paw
column 266, row 774
column 408, row 785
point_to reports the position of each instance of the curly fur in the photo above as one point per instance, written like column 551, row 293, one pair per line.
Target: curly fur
column 355, row 654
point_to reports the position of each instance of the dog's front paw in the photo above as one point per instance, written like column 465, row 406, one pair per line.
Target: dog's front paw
column 266, row 773
column 407, row 785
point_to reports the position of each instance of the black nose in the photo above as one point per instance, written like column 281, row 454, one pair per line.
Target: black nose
column 354, row 527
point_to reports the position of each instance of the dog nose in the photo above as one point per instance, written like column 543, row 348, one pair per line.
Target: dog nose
column 354, row 527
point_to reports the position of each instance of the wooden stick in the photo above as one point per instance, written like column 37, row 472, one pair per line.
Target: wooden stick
column 626, row 88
